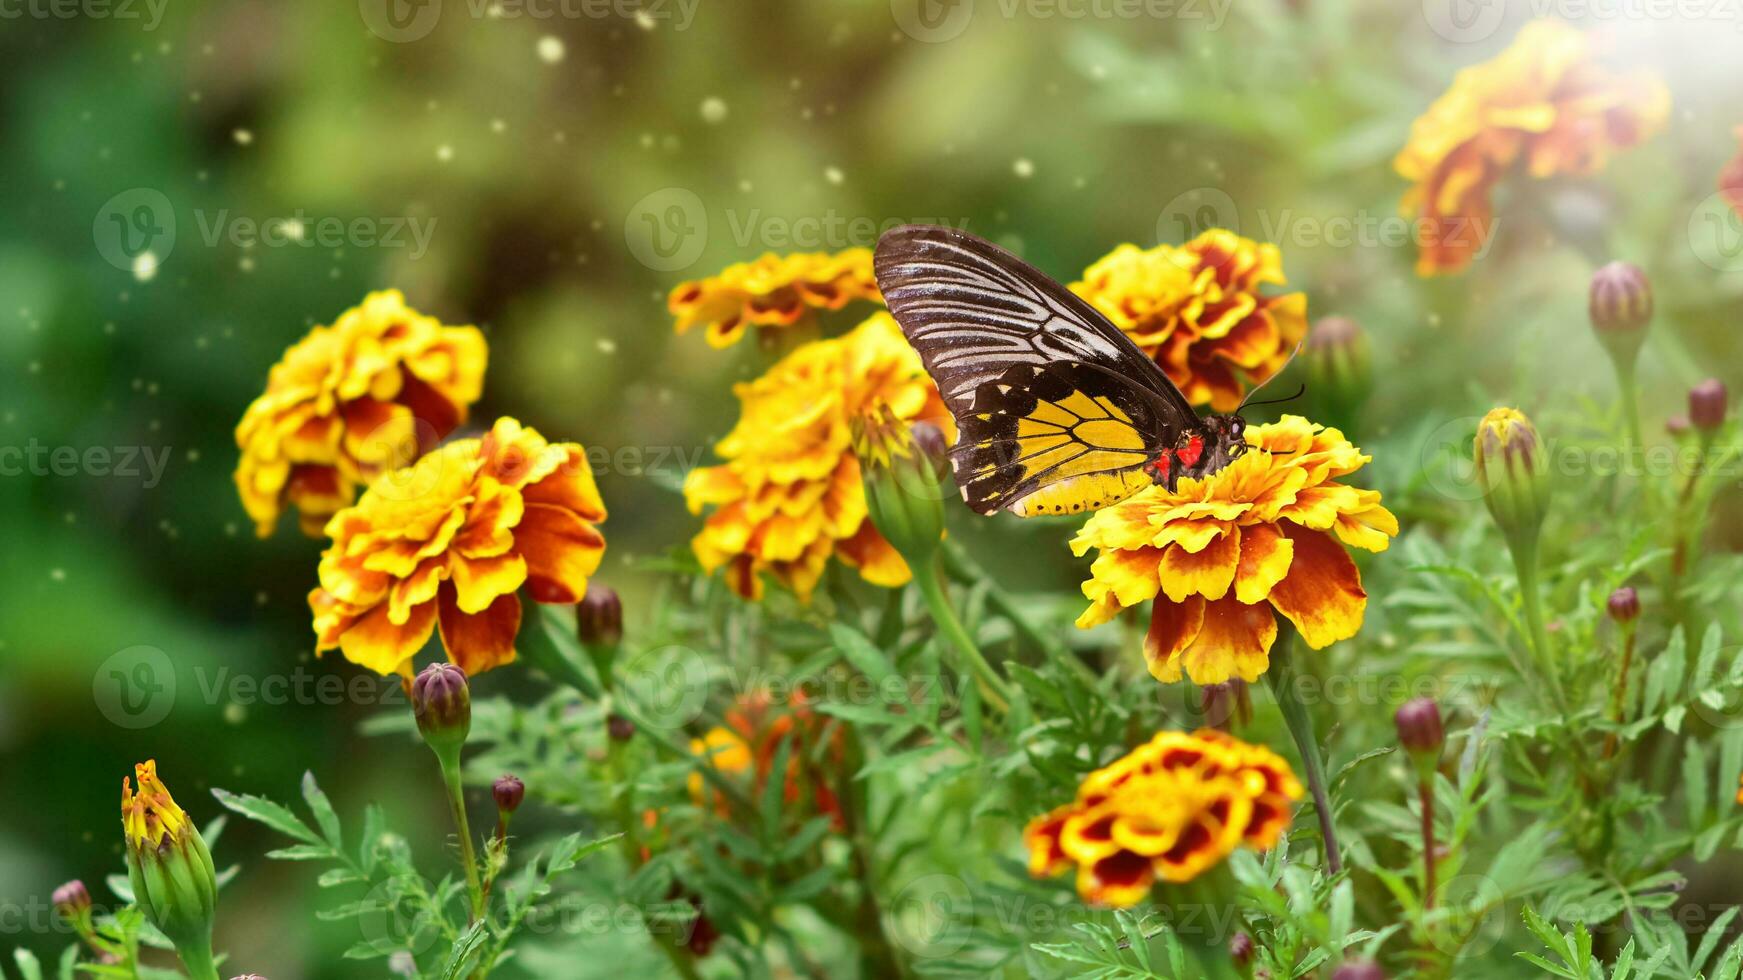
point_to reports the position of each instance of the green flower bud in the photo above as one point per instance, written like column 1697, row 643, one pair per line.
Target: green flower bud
column 1620, row 305
column 1337, row 361
column 905, row 481
column 169, row 867
column 442, row 703
column 1513, row 471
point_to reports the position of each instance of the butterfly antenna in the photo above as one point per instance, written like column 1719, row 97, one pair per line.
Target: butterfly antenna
column 1288, row 361
column 1276, row 401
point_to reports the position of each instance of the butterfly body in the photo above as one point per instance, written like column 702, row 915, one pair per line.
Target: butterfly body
column 1057, row 411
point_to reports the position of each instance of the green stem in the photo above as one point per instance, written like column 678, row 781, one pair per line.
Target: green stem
column 1628, row 390
column 1281, row 679
column 468, row 852
column 992, row 686
column 1531, row 599
column 197, row 957
column 961, row 567
column 1425, row 790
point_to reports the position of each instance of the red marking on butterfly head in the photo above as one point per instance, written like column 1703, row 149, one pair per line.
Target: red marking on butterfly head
column 1158, row 468
column 1193, row 452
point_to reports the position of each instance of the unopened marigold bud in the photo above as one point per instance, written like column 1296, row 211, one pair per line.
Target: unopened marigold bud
column 1621, row 307
column 620, row 729
column 1337, row 360
column 903, row 485
column 72, row 902
column 1707, row 404
column 1513, row 472
column 1624, row 605
column 1359, row 970
column 599, row 616
column 1241, row 949
column 442, row 704
column 169, row 867
column 1421, row 733
column 1226, row 703
column 1676, row 425
column 932, row 447
column 508, row 791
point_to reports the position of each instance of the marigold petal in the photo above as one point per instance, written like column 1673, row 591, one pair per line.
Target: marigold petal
column 1322, row 594
column 478, row 641
column 1234, row 640
column 562, row 551
column 1265, row 558
column 1173, row 628
column 1208, row 573
column 479, row 581
column 376, row 642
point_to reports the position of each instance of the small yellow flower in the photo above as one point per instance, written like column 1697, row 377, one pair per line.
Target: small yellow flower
column 1544, row 102
column 150, row 817
column 1220, row 554
column 723, row 749
column 349, row 402
column 447, row 542
column 1198, row 310
column 1168, row 811
column 789, row 494
column 773, row 291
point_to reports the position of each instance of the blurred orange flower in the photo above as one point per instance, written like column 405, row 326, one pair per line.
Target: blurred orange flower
column 447, row 542
column 351, row 401
column 789, row 494
column 1171, row 809
column 1545, row 100
column 773, row 291
column 752, row 736
column 1731, row 178
column 1198, row 310
column 1219, row 554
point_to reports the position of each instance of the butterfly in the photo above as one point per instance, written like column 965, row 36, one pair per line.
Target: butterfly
column 1057, row 411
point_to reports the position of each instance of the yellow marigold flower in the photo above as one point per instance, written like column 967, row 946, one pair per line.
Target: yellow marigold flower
column 349, row 402
column 169, row 868
column 789, row 494
column 773, row 291
column 446, row 543
column 1546, row 102
column 1171, row 809
column 1197, row 309
column 1219, row 554
column 726, row 751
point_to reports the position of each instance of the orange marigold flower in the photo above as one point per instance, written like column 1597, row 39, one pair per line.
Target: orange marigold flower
column 1544, row 101
column 755, row 728
column 1219, row 554
column 349, row 402
column 1197, row 309
column 1731, row 178
column 773, row 291
column 1171, row 809
column 789, row 494
column 446, row 543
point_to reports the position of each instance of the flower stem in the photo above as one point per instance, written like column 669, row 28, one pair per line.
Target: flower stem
column 1619, row 698
column 197, row 958
column 1425, row 791
column 958, row 565
column 1530, row 597
column 1629, row 392
column 468, row 853
column 1281, row 679
column 992, row 686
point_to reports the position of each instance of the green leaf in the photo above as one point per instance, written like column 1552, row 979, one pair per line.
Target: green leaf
column 28, row 967
column 262, row 810
column 323, row 811
column 859, row 651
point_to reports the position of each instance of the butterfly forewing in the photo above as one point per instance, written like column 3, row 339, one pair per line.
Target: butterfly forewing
column 1058, row 410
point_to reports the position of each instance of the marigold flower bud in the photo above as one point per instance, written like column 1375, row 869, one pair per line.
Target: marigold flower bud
column 1624, row 605
column 1421, row 733
column 508, row 791
column 1359, row 970
column 620, row 729
column 930, row 443
column 72, row 902
column 1222, row 703
column 1513, row 471
column 1707, row 404
column 169, row 867
column 1241, row 949
column 442, row 703
column 1676, row 425
column 1337, row 359
column 903, row 484
column 1621, row 307
column 599, row 616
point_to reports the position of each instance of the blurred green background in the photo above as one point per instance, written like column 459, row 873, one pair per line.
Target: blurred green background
column 569, row 164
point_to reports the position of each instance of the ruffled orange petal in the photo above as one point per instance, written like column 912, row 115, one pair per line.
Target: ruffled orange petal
column 1322, row 594
column 562, row 551
column 376, row 642
column 479, row 641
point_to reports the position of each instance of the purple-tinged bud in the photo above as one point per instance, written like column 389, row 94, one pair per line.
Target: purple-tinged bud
column 442, row 704
column 1513, row 472
column 620, row 729
column 1421, row 733
column 599, row 616
column 1359, row 970
column 930, row 445
column 1621, row 306
column 1676, row 425
column 1624, row 605
column 508, row 792
column 1241, row 949
column 1225, row 704
column 1707, row 404
column 72, row 901
column 1337, row 360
